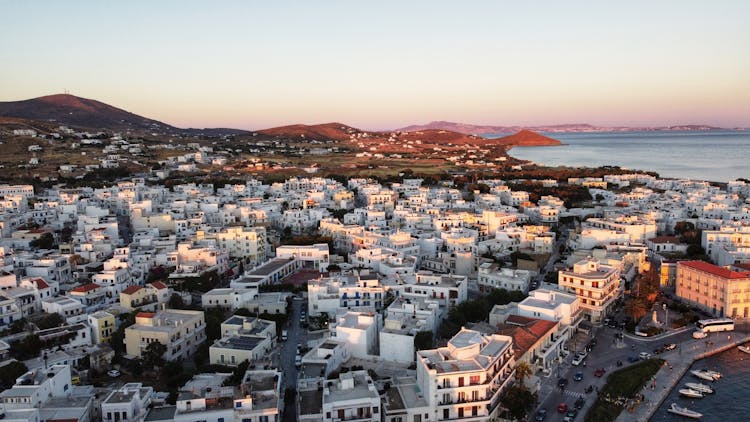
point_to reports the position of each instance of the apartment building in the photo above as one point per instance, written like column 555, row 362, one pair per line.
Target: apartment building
column 351, row 396
column 717, row 290
column 180, row 330
column 596, row 285
column 466, row 378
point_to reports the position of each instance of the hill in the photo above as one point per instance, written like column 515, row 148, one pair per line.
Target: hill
column 325, row 131
column 76, row 111
column 527, row 138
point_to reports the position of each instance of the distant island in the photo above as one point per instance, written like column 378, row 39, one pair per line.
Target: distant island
column 472, row 129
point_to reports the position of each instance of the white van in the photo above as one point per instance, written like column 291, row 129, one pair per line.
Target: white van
column 283, row 335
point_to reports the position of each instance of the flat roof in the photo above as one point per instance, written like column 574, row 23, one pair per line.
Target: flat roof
column 311, row 402
column 163, row 413
column 269, row 267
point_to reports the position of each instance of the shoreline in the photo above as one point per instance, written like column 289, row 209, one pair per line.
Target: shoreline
column 670, row 379
column 531, row 162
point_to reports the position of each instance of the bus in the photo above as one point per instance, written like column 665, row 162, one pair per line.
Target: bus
column 716, row 324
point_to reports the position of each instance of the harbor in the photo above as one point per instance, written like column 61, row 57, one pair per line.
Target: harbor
column 677, row 372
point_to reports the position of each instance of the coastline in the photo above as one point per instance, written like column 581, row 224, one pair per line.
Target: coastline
column 670, row 378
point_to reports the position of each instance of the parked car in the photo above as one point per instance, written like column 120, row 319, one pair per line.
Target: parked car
column 541, row 415
column 562, row 408
column 699, row 334
column 298, row 361
column 570, row 415
column 633, row 359
column 644, row 355
column 599, row 372
column 578, row 376
column 578, row 359
column 114, row 373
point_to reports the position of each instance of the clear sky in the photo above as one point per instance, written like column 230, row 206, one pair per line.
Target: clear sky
column 386, row 64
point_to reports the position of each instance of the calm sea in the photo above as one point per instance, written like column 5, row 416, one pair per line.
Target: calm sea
column 729, row 402
column 708, row 155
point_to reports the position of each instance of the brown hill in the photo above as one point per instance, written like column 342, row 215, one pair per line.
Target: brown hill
column 75, row 111
column 527, row 138
column 331, row 131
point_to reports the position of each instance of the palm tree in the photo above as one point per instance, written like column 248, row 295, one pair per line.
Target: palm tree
column 523, row 370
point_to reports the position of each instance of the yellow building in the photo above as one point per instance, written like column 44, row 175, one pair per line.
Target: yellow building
column 102, row 326
column 597, row 286
column 180, row 330
column 714, row 289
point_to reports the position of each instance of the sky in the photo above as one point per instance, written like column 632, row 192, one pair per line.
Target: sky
column 387, row 64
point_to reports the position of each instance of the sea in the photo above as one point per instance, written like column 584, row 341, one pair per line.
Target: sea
column 728, row 403
column 716, row 155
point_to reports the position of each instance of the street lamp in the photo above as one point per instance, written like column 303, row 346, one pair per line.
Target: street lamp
column 666, row 316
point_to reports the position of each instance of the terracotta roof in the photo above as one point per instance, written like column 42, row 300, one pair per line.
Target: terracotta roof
column 131, row 289
column 159, row 285
column 145, row 315
column 40, row 283
column 85, row 288
column 525, row 332
column 665, row 239
column 714, row 269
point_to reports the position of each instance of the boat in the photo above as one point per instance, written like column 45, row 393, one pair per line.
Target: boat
column 684, row 411
column 704, row 375
column 744, row 348
column 714, row 374
column 689, row 392
column 703, row 388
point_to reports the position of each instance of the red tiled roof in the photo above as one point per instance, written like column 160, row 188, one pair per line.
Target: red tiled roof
column 145, row 315
column 665, row 239
column 131, row 289
column 745, row 266
column 159, row 285
column 85, row 288
column 525, row 332
column 714, row 269
column 40, row 283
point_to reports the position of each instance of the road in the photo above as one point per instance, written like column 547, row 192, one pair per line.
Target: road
column 296, row 335
column 605, row 355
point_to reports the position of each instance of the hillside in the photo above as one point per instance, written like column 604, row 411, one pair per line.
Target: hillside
column 75, row 111
column 325, row 131
column 527, row 138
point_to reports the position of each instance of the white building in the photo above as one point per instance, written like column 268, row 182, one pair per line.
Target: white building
column 466, row 378
column 128, row 403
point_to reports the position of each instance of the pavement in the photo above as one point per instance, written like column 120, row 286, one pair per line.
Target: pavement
column 609, row 350
column 604, row 355
column 680, row 360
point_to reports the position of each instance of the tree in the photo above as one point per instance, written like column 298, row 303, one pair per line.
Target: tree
column 176, row 302
column 153, row 356
column 523, row 371
column 635, row 307
column 49, row 321
column 423, row 340
column 11, row 371
column 518, row 401
column 45, row 241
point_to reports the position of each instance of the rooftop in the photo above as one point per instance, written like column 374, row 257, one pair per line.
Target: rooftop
column 714, row 269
